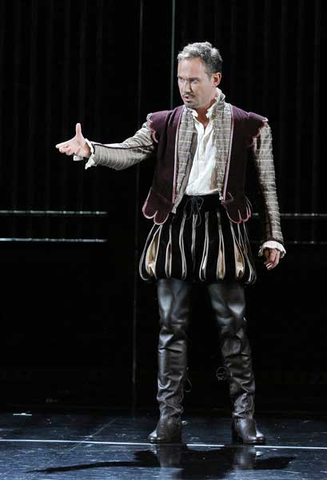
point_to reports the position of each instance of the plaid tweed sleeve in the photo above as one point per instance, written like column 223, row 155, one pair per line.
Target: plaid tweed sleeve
column 119, row 156
column 264, row 164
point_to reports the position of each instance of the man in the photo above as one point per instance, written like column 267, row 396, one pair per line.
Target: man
column 199, row 209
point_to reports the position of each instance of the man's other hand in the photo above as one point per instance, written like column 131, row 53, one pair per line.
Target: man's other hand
column 272, row 256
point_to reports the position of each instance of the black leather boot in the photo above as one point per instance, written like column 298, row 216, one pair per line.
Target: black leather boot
column 173, row 301
column 238, row 361
column 245, row 430
column 228, row 303
column 167, row 431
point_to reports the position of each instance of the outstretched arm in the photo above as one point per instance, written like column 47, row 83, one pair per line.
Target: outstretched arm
column 76, row 145
column 115, row 155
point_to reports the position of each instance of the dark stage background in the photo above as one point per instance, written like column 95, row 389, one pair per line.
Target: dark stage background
column 78, row 327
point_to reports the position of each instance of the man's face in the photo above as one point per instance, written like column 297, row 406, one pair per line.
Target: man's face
column 197, row 88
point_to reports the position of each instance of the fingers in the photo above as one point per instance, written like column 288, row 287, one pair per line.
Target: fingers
column 272, row 258
column 62, row 144
column 66, row 148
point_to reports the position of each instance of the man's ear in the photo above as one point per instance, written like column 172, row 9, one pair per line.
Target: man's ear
column 216, row 78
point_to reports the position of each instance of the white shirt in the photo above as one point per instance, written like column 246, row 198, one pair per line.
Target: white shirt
column 202, row 179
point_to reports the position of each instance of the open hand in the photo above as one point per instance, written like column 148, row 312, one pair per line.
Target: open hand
column 76, row 145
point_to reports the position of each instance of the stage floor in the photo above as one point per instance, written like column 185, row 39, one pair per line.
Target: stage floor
column 101, row 445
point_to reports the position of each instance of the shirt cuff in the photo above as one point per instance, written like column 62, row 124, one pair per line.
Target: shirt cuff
column 91, row 160
column 272, row 244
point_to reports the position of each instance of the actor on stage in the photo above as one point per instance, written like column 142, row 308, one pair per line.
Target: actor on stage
column 199, row 210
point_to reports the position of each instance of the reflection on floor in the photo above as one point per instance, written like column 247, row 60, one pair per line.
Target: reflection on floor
column 94, row 445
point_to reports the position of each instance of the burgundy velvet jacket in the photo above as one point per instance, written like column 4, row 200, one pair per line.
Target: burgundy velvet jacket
column 160, row 201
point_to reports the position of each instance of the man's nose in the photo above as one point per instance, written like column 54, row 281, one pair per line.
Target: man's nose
column 186, row 87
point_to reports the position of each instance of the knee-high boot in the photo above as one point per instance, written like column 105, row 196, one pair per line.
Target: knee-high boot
column 173, row 300
column 228, row 303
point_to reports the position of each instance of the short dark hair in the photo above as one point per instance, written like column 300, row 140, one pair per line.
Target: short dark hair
column 206, row 52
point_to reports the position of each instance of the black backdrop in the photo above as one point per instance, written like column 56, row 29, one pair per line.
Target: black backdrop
column 78, row 326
